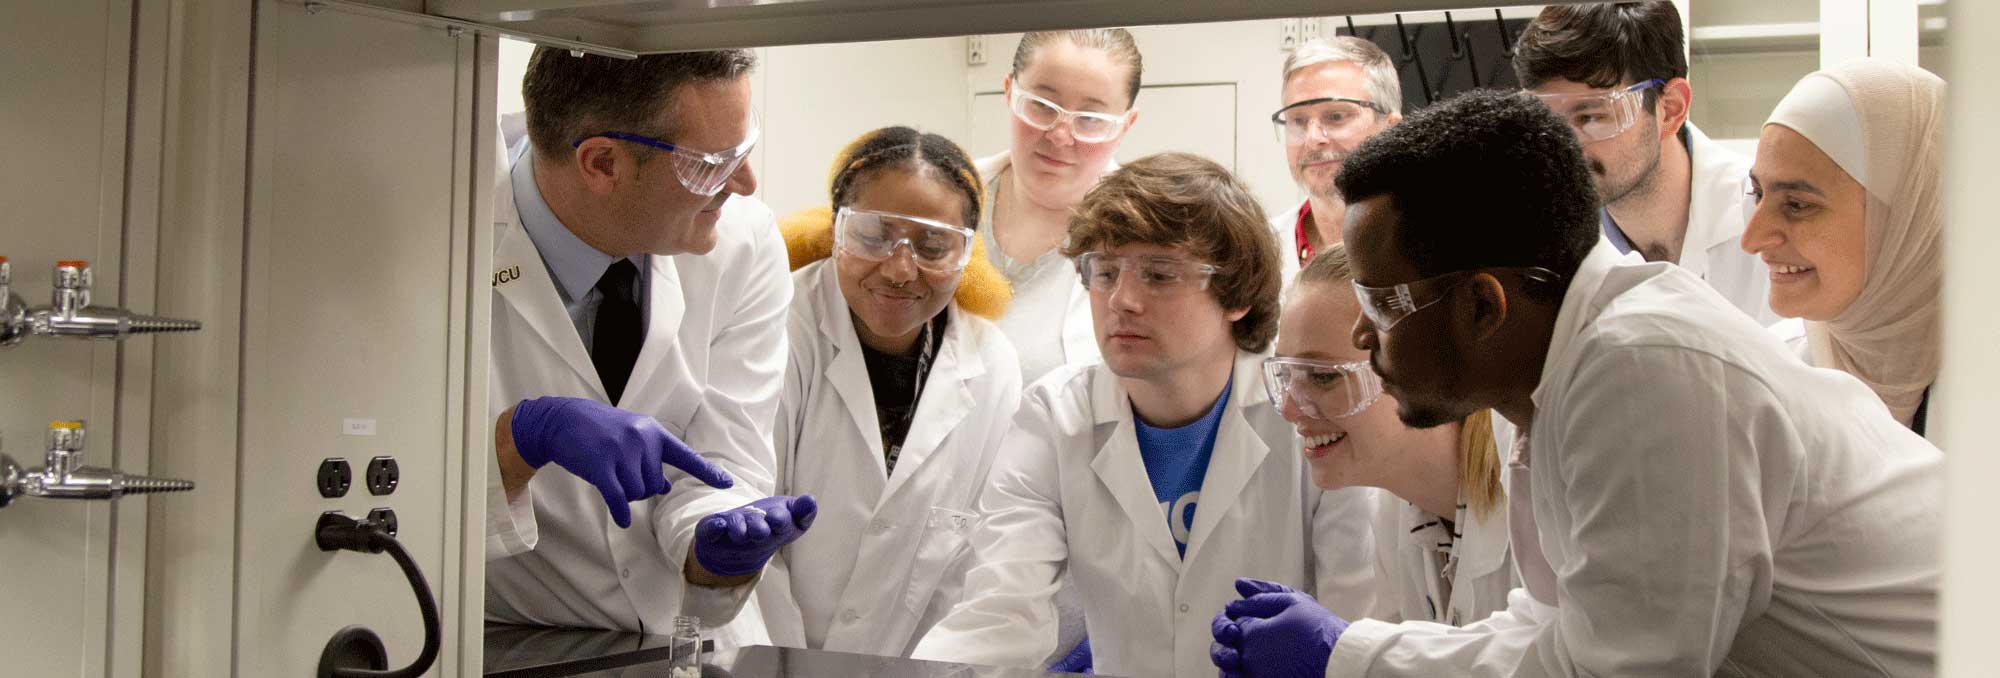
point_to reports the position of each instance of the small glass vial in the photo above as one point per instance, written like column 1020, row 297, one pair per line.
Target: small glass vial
column 686, row 661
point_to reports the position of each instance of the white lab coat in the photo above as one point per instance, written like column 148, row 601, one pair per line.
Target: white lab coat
column 1285, row 225
column 887, row 555
column 1712, row 249
column 1070, row 491
column 1695, row 501
column 1412, row 578
column 710, row 372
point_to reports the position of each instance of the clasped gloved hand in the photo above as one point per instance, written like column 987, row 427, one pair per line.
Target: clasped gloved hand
column 1273, row 632
column 617, row 451
column 739, row 541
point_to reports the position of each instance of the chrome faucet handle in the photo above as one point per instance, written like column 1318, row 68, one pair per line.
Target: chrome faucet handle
column 72, row 288
column 65, row 449
column 65, row 476
column 69, row 313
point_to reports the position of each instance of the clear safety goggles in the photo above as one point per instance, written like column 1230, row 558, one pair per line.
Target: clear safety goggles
column 1321, row 389
column 701, row 173
column 1044, row 115
column 1331, row 116
column 1386, row 306
column 936, row 246
column 1603, row 114
column 1158, row 276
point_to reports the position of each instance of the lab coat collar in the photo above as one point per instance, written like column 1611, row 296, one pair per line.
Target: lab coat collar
column 575, row 265
column 947, row 397
column 1238, row 453
column 847, row 371
column 1715, row 201
column 946, row 401
column 524, row 283
column 1481, row 546
column 1580, row 307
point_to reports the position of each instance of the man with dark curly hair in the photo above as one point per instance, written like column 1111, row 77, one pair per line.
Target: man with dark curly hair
column 1687, row 497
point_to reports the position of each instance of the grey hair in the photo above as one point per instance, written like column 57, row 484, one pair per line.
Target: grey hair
column 1384, row 85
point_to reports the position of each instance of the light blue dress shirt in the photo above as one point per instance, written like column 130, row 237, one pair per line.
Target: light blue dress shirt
column 575, row 265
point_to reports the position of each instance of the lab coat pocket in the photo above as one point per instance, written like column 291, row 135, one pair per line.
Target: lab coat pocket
column 944, row 543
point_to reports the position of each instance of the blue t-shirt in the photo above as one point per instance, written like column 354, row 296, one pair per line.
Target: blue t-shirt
column 1176, row 459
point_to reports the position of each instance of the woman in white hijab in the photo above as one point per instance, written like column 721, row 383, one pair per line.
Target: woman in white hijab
column 1848, row 215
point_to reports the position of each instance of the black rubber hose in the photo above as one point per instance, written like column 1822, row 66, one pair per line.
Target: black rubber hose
column 379, row 540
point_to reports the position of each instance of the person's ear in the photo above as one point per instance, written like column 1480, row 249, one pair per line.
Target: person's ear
column 1489, row 305
column 1676, row 101
column 1235, row 314
column 600, row 166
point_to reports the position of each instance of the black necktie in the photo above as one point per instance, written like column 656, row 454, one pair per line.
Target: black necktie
column 616, row 336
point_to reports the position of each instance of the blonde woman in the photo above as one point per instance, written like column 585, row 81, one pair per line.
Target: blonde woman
column 1441, row 551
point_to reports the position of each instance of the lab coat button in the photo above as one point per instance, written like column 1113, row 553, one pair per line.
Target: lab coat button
column 625, row 573
column 880, row 526
column 1184, row 608
column 850, row 616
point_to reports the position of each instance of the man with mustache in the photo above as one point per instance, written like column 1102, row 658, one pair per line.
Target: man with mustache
column 1617, row 73
column 1338, row 92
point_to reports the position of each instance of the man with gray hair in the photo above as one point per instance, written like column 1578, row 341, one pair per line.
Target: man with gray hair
column 1337, row 93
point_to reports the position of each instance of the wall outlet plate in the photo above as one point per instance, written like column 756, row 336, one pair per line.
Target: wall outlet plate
column 334, row 477
column 382, row 476
column 975, row 50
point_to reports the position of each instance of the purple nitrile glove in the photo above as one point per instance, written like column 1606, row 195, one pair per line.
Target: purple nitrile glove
column 617, row 451
column 739, row 541
column 1273, row 632
column 1077, row 661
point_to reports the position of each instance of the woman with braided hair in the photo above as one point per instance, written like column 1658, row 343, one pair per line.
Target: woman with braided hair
column 898, row 390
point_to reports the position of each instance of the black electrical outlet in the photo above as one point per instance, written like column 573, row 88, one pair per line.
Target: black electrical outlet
column 383, row 476
column 335, row 476
column 387, row 517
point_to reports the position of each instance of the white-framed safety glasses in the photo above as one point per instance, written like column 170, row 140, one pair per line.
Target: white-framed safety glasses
column 1330, row 116
column 1386, row 306
column 1603, row 114
column 1044, row 115
column 1322, row 389
column 1158, row 276
column 700, row 173
column 873, row 235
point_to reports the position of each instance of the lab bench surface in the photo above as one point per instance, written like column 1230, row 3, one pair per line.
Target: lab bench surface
column 530, row 652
